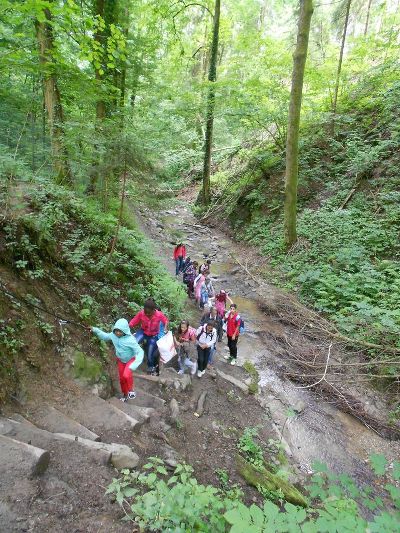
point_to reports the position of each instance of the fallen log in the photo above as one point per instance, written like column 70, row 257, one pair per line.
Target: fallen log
column 263, row 478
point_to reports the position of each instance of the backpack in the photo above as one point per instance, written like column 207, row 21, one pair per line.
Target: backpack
column 203, row 329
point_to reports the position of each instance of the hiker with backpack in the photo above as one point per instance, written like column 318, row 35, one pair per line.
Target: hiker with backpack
column 179, row 257
column 184, row 336
column 213, row 316
column 149, row 321
column 206, row 337
column 129, row 354
column 234, row 324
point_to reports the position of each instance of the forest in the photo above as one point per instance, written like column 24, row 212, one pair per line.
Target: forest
column 274, row 122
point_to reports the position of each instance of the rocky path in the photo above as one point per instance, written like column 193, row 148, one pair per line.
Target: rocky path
column 58, row 455
column 311, row 428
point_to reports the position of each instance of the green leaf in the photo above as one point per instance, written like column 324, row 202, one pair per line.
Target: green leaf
column 378, row 463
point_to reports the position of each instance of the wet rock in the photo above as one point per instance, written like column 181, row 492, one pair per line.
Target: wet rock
column 299, row 406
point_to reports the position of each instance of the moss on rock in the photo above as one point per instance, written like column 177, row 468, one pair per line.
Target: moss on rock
column 261, row 477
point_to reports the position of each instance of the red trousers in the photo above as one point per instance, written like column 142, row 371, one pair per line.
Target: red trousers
column 125, row 376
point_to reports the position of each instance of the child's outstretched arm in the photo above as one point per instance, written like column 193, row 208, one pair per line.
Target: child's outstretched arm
column 102, row 335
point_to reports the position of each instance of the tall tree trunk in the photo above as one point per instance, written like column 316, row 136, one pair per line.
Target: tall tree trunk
column 339, row 69
column 99, row 37
column 212, row 76
column 367, row 19
column 106, row 102
column 52, row 99
column 292, row 141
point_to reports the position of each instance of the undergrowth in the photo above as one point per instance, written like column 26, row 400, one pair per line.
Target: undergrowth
column 346, row 262
column 58, row 245
column 156, row 501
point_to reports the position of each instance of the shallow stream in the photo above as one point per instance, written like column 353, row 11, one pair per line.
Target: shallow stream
column 310, row 429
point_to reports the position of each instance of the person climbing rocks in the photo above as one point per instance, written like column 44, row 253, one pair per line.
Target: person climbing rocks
column 184, row 336
column 220, row 302
column 213, row 316
column 189, row 276
column 206, row 337
column 233, row 321
column 129, row 354
column 179, row 256
column 149, row 319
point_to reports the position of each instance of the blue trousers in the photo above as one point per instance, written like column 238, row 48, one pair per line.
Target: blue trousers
column 151, row 347
column 179, row 264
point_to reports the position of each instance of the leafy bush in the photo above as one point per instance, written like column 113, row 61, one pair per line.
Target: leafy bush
column 178, row 503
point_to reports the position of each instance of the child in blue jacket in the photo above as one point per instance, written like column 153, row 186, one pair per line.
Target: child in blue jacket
column 129, row 354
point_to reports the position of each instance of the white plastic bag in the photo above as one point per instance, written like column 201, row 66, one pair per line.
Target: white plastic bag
column 166, row 347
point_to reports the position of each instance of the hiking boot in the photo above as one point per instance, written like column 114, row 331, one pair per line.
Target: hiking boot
column 131, row 395
column 199, row 373
column 233, row 362
column 123, row 399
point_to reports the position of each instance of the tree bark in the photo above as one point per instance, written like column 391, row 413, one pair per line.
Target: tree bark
column 367, row 19
column 52, row 99
column 212, row 76
column 339, row 69
column 292, row 141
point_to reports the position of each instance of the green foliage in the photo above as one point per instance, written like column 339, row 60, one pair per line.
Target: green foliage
column 76, row 234
column 178, row 503
column 252, row 451
column 87, row 368
column 156, row 501
column 253, row 373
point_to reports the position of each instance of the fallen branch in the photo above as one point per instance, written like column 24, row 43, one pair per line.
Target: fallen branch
column 323, row 377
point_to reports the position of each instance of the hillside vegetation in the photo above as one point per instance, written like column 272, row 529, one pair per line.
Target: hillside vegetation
column 346, row 260
column 55, row 264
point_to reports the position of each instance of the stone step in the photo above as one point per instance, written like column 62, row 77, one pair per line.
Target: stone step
column 30, row 434
column 19, row 459
column 121, row 455
column 51, row 419
column 130, row 408
column 146, row 399
column 97, row 414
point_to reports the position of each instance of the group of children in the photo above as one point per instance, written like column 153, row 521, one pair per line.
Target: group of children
column 214, row 321
column 153, row 324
